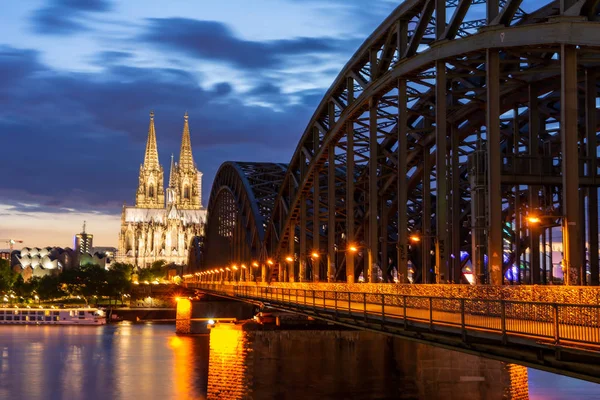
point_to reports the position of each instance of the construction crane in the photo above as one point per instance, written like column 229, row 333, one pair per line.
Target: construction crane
column 11, row 242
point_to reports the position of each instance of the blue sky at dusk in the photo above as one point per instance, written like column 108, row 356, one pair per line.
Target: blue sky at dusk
column 79, row 78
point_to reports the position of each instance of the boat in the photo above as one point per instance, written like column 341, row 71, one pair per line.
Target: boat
column 52, row 316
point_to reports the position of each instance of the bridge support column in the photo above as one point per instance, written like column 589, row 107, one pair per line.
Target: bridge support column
column 455, row 261
column 494, row 183
column 441, row 259
column 373, row 242
column 426, row 219
column 534, row 191
column 350, row 199
column 592, row 143
column 570, row 165
column 402, row 255
column 302, row 256
column 292, row 254
column 316, row 262
column 331, row 215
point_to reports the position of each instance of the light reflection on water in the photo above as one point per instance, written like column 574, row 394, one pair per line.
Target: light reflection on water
column 110, row 362
column 146, row 362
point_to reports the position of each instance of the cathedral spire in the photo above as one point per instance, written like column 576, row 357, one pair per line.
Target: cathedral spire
column 151, row 192
column 186, row 161
column 151, row 157
column 172, row 178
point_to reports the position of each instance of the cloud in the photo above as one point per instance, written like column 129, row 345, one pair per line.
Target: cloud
column 211, row 40
column 77, row 139
column 112, row 57
column 64, row 17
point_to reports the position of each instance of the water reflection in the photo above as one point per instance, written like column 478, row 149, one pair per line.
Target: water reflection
column 110, row 362
column 130, row 361
column 230, row 357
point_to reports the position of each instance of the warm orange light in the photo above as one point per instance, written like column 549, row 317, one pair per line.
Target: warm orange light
column 227, row 268
column 289, row 259
column 532, row 219
column 254, row 264
column 415, row 238
column 352, row 248
column 314, row 254
column 236, row 268
column 243, row 266
column 176, row 298
column 270, row 262
column 222, row 270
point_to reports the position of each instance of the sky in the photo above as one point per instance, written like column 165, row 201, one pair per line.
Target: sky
column 78, row 80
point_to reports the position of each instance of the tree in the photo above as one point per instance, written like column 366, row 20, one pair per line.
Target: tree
column 119, row 279
column 7, row 276
column 158, row 270
column 49, row 287
column 94, row 280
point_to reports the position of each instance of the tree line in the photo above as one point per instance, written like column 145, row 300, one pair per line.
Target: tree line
column 90, row 282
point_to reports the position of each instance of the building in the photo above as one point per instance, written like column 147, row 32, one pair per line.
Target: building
column 83, row 241
column 41, row 261
column 162, row 224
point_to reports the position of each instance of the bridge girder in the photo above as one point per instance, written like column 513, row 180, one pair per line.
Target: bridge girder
column 513, row 89
column 240, row 203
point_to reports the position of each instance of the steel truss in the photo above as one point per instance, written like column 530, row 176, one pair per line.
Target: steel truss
column 512, row 101
column 241, row 202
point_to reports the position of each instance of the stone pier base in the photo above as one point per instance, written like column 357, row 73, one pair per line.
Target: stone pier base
column 250, row 361
column 208, row 307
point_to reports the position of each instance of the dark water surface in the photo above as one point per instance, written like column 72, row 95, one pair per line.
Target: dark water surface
column 146, row 362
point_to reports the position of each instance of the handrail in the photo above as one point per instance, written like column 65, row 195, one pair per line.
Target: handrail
column 572, row 323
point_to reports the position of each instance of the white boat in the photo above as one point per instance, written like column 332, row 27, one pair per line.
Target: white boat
column 52, row 316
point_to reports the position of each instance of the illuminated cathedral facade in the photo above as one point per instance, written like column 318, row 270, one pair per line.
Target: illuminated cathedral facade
column 163, row 223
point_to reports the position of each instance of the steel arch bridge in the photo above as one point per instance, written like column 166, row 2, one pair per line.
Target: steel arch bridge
column 461, row 134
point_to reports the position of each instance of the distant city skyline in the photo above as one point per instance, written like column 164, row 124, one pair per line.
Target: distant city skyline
column 78, row 79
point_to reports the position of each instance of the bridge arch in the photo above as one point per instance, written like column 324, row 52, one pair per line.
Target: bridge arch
column 512, row 101
column 240, row 203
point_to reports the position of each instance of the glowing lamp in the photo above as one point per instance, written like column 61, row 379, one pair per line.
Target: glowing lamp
column 254, row 264
column 270, row 262
column 415, row 238
column 533, row 219
column 289, row 259
column 314, row 254
column 352, row 249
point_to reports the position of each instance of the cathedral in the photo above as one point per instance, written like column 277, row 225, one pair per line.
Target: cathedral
column 162, row 224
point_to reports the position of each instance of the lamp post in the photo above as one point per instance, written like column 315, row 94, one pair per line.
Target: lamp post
column 426, row 275
column 534, row 221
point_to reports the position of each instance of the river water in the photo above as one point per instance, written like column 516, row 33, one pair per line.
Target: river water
column 146, row 361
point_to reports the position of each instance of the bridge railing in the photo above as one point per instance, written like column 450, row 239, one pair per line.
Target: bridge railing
column 552, row 322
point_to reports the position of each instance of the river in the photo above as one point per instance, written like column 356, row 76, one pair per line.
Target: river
column 148, row 361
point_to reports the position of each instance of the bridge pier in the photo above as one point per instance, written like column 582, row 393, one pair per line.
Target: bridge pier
column 249, row 358
column 208, row 307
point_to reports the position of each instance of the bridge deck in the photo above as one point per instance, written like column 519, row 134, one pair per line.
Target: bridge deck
column 563, row 338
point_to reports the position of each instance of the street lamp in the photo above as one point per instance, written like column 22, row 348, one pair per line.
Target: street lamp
column 532, row 219
column 414, row 238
